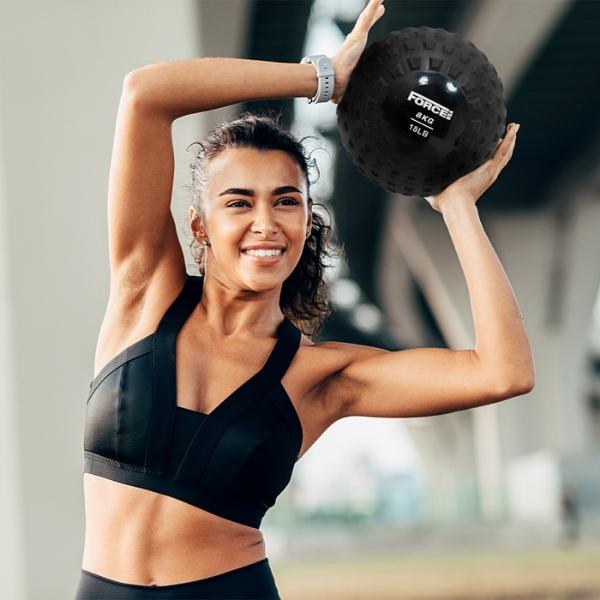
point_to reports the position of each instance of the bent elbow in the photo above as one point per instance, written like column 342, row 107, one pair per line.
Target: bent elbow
column 527, row 380
column 510, row 387
column 525, row 385
column 130, row 84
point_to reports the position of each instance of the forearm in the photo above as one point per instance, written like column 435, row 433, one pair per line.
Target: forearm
column 181, row 87
column 501, row 345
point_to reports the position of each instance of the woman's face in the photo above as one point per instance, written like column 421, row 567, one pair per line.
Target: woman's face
column 254, row 199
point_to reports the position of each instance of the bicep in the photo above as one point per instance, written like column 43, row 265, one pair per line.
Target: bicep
column 417, row 382
column 141, row 229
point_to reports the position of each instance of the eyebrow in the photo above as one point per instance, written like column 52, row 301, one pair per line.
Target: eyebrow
column 284, row 189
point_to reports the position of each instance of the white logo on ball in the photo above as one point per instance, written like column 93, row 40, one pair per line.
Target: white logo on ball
column 430, row 105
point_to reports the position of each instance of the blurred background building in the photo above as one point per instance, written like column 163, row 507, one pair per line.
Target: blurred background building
column 505, row 468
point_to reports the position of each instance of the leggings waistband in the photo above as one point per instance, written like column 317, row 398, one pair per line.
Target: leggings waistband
column 176, row 585
column 250, row 581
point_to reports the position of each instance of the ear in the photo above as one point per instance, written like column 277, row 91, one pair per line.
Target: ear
column 196, row 222
column 309, row 222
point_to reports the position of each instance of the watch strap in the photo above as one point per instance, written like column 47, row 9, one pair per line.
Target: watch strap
column 325, row 77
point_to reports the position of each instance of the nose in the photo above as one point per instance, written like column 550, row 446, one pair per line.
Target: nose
column 265, row 221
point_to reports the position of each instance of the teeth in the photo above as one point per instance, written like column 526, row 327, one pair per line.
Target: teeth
column 263, row 252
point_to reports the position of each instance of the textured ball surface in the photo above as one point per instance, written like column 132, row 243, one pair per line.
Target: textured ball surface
column 423, row 107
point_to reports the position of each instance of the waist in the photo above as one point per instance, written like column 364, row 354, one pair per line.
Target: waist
column 136, row 535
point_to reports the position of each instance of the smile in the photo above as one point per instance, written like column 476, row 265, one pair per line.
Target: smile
column 264, row 256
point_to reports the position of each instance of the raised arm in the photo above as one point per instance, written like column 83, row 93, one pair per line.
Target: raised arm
column 182, row 87
column 141, row 230
column 142, row 234
column 430, row 381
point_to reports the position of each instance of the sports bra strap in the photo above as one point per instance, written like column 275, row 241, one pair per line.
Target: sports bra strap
column 162, row 416
column 182, row 307
column 163, row 412
column 285, row 349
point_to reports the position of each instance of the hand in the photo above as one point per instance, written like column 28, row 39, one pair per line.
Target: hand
column 473, row 184
column 346, row 58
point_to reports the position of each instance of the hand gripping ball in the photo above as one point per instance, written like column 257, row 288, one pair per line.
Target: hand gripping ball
column 422, row 108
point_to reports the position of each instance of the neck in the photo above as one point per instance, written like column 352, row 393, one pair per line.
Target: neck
column 231, row 311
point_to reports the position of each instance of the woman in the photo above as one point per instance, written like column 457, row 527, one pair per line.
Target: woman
column 184, row 457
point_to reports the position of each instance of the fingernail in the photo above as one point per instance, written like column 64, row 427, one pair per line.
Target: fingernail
column 517, row 127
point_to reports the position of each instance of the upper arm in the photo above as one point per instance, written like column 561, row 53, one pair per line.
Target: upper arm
column 417, row 382
column 141, row 229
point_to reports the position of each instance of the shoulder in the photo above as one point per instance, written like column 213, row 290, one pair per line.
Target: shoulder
column 319, row 384
column 328, row 366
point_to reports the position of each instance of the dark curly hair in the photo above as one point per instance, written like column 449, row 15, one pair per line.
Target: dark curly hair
column 304, row 294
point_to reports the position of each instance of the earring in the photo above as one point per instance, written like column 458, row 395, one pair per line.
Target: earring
column 205, row 243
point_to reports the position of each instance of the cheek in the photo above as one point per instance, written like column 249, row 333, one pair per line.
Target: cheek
column 229, row 230
column 297, row 226
column 296, row 222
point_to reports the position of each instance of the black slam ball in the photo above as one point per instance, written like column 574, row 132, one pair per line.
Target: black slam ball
column 422, row 108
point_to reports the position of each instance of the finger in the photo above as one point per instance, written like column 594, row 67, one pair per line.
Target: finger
column 511, row 132
column 378, row 13
column 504, row 150
column 506, row 144
column 508, row 147
column 369, row 15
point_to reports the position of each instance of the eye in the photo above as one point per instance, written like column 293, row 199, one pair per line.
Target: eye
column 293, row 202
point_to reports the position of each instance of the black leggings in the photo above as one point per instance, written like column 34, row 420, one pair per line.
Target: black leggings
column 251, row 581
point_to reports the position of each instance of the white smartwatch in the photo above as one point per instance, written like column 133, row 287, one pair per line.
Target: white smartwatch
column 325, row 77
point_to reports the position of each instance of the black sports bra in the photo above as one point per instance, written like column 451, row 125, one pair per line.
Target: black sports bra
column 233, row 461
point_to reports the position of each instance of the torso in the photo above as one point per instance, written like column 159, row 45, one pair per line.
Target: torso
column 142, row 537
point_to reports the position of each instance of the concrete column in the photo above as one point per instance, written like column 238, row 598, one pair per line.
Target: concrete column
column 61, row 70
